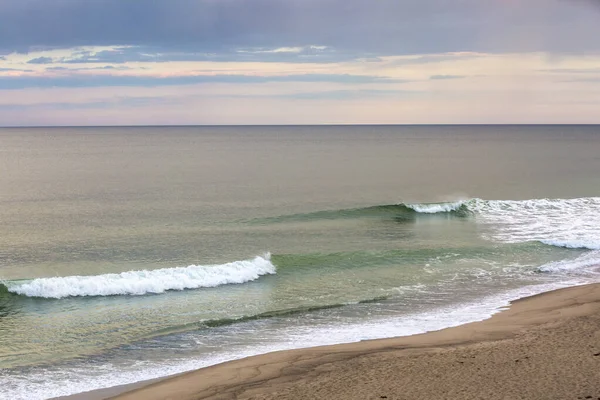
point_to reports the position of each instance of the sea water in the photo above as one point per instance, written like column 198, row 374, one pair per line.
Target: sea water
column 137, row 252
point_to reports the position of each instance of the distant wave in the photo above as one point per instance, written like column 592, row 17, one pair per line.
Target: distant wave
column 397, row 212
column 570, row 223
column 145, row 282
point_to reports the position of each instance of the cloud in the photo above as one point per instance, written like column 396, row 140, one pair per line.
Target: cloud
column 124, row 54
column 104, row 68
column 214, row 61
column 143, row 101
column 153, row 54
column 590, row 79
column 277, row 50
column 352, row 94
column 572, row 70
column 80, row 81
column 552, row 106
column 41, row 60
column 358, row 26
column 130, row 102
column 14, row 70
column 441, row 77
column 294, row 50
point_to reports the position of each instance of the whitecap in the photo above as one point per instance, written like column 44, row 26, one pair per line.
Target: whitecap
column 146, row 282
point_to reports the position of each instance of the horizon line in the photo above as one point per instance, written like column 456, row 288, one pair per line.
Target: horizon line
column 286, row 125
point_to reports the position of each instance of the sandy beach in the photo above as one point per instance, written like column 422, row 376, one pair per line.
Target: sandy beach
column 543, row 347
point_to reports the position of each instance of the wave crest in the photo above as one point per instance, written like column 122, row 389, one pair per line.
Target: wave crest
column 571, row 223
column 435, row 208
column 147, row 282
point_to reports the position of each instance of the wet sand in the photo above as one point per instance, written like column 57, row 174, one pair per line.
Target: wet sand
column 543, row 347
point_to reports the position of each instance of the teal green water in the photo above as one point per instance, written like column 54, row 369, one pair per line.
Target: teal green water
column 251, row 239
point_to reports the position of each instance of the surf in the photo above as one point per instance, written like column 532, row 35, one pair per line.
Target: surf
column 569, row 223
column 136, row 283
column 398, row 212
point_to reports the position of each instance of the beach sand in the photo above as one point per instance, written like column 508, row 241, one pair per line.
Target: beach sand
column 543, row 347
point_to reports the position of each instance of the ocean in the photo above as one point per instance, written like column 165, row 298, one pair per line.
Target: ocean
column 132, row 253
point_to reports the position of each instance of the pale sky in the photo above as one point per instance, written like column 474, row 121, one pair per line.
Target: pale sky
column 146, row 62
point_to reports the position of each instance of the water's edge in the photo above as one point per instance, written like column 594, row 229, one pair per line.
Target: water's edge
column 114, row 391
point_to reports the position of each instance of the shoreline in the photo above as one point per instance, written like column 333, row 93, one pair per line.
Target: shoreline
column 532, row 325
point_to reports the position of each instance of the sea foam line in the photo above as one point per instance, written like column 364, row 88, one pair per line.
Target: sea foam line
column 146, row 282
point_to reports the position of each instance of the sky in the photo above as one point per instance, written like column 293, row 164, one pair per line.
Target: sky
column 188, row 62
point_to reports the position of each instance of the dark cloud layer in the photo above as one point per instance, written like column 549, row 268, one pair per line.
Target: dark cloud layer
column 362, row 26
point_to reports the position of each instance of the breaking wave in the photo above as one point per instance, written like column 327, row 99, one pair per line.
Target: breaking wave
column 398, row 212
column 570, row 223
column 588, row 262
column 435, row 208
column 145, row 282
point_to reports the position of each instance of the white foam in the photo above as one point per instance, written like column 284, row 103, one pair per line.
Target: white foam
column 592, row 243
column 145, row 282
column 434, row 208
column 586, row 263
column 571, row 223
